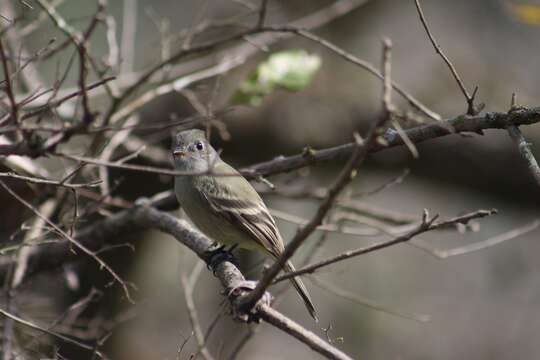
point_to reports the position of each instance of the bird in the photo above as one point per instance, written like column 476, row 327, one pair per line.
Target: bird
column 226, row 208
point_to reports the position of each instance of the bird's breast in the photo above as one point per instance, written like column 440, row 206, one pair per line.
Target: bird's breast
column 216, row 227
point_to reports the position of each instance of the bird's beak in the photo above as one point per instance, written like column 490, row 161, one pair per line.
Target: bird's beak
column 179, row 153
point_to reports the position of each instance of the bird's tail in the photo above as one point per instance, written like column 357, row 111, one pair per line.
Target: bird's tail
column 302, row 291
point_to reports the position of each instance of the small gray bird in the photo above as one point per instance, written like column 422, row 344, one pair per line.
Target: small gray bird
column 226, row 208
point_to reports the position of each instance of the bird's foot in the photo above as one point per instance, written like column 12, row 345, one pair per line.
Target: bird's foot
column 218, row 254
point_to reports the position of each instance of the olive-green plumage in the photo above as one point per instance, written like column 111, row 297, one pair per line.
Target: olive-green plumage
column 226, row 208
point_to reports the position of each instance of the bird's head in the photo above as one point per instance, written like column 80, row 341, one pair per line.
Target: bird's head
column 192, row 152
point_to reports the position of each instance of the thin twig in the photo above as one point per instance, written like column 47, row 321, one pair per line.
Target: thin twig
column 403, row 135
column 35, row 180
column 418, row 134
column 313, row 20
column 188, row 285
column 345, row 177
column 31, row 75
column 34, row 232
column 427, row 224
column 9, row 86
column 56, row 103
column 348, row 295
column 71, row 240
column 129, row 28
column 52, row 333
column 480, row 245
column 114, row 142
column 366, row 66
column 228, row 274
column 471, row 110
column 525, row 152
column 386, row 185
column 277, row 319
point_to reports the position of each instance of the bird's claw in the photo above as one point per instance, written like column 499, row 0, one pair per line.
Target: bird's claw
column 218, row 255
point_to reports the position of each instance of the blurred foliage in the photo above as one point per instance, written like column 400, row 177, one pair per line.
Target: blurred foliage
column 291, row 70
column 527, row 13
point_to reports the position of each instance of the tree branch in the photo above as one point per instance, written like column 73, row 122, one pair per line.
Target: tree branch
column 345, row 177
column 471, row 110
column 146, row 217
column 525, row 151
column 418, row 134
column 427, row 224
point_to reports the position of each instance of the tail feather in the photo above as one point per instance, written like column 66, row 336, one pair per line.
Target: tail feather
column 302, row 291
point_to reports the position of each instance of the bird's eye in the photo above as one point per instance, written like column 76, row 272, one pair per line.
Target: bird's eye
column 199, row 145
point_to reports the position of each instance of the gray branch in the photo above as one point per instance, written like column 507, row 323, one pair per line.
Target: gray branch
column 127, row 222
column 525, row 151
column 418, row 134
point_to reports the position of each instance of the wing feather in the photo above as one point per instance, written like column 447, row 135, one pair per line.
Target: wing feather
column 251, row 217
column 234, row 199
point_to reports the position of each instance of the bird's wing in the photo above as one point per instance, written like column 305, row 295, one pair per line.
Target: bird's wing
column 234, row 199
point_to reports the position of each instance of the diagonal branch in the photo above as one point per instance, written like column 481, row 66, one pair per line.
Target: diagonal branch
column 470, row 98
column 525, row 151
column 49, row 332
column 188, row 284
column 9, row 86
column 345, row 177
column 72, row 240
column 145, row 217
column 427, row 224
column 418, row 134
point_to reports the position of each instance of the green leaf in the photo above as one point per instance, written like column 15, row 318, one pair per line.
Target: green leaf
column 291, row 70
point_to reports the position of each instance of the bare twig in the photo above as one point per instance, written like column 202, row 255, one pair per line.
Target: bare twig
column 347, row 174
column 403, row 135
column 427, row 224
column 129, row 28
column 52, row 333
column 277, row 319
column 35, row 180
column 366, row 66
column 141, row 168
column 525, row 151
column 388, row 184
column 30, row 76
column 113, row 58
column 229, row 276
column 34, row 25
column 108, row 151
column 471, row 110
column 71, row 239
column 188, row 284
column 141, row 217
column 314, row 20
column 62, row 25
column 418, row 134
column 512, row 234
column 9, row 86
column 348, row 295
column 35, row 232
column 327, row 227
column 56, row 103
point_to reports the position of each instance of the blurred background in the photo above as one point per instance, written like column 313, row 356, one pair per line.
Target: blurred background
column 483, row 305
